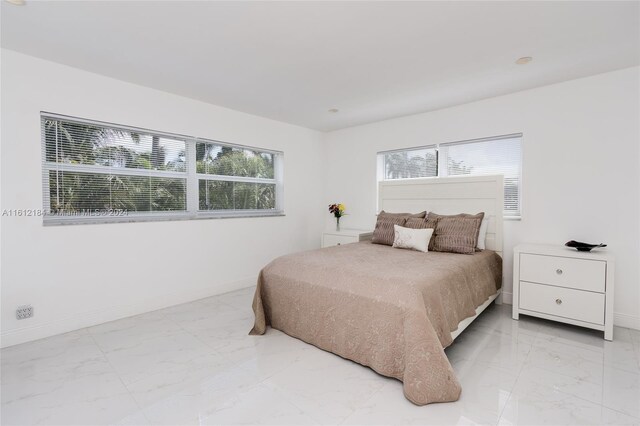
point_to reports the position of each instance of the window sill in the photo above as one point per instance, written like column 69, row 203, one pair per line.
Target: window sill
column 512, row 218
column 57, row 221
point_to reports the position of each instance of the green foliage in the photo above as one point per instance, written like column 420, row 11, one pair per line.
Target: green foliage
column 225, row 161
column 76, row 143
column 221, row 195
column 76, row 192
column 216, row 160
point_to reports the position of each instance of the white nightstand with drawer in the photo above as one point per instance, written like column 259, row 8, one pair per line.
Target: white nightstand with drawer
column 344, row 236
column 562, row 284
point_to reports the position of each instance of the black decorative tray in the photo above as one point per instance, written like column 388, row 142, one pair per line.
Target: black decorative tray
column 583, row 246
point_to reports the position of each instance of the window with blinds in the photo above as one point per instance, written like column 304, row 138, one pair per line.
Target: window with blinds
column 234, row 178
column 94, row 171
column 411, row 163
column 497, row 155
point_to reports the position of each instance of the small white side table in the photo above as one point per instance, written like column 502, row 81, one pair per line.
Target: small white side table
column 562, row 284
column 345, row 236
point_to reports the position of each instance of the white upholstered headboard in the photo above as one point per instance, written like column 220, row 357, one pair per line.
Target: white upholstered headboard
column 450, row 195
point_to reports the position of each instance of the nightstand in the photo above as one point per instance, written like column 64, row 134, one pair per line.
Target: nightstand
column 344, row 236
column 562, row 284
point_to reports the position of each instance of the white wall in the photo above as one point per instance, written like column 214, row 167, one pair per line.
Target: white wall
column 581, row 176
column 76, row 276
column 581, row 181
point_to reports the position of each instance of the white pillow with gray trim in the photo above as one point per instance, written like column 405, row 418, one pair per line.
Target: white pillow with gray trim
column 413, row 239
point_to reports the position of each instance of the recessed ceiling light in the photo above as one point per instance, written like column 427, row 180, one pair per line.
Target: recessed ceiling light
column 524, row 60
column 333, row 110
column 16, row 2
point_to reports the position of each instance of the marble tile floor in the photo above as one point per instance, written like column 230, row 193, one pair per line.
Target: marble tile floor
column 195, row 364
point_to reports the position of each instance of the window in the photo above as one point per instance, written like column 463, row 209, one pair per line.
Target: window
column 94, row 171
column 253, row 186
column 414, row 163
column 498, row 155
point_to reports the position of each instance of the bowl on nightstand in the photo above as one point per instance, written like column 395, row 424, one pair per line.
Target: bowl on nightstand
column 583, row 246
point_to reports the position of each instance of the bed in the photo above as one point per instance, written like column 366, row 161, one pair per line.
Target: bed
column 392, row 310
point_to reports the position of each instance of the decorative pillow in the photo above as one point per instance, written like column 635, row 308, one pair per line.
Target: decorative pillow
column 456, row 233
column 420, row 223
column 383, row 233
column 435, row 216
column 413, row 239
column 482, row 235
column 405, row 215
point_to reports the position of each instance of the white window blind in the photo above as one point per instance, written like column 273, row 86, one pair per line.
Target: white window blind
column 94, row 171
column 496, row 155
column 235, row 178
column 412, row 163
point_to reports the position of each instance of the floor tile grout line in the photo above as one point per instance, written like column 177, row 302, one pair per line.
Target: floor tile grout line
column 601, row 404
column 585, row 348
column 225, row 356
column 167, row 317
column 365, row 402
column 596, row 403
column 283, row 391
column 604, row 364
column 135, row 401
column 568, row 376
column 510, row 397
column 173, row 321
column 518, row 376
column 181, row 327
column 199, row 339
column 567, row 393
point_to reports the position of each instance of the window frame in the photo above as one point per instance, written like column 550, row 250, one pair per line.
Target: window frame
column 192, row 179
column 442, row 162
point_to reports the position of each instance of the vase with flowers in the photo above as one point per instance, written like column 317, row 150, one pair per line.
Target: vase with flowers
column 337, row 210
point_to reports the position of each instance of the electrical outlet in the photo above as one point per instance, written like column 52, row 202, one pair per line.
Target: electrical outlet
column 24, row 311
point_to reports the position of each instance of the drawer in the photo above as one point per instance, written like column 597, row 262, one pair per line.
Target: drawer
column 562, row 302
column 563, row 271
column 329, row 240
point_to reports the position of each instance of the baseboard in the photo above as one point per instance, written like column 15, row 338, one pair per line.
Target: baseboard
column 627, row 321
column 507, row 298
column 87, row 319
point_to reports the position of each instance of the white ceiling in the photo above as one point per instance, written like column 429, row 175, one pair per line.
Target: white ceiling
column 292, row 61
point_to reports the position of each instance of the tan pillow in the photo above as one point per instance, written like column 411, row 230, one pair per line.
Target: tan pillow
column 405, row 215
column 419, row 223
column 456, row 233
column 384, row 232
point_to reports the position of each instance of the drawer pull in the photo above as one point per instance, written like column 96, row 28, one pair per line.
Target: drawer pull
column 339, row 243
column 559, row 271
column 559, row 301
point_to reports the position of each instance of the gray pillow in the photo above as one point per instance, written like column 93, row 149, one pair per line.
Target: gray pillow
column 384, row 231
column 456, row 233
column 419, row 223
column 405, row 215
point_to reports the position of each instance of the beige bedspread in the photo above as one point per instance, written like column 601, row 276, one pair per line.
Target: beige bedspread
column 390, row 309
